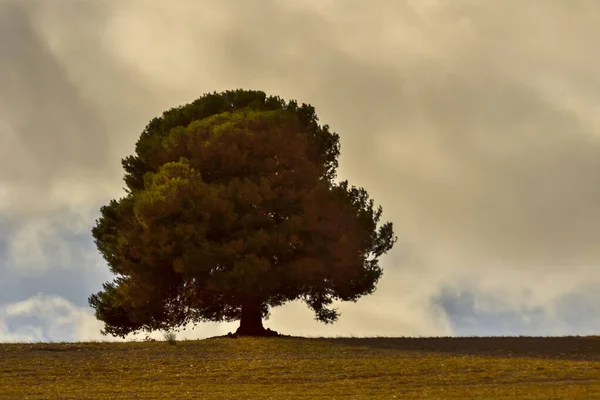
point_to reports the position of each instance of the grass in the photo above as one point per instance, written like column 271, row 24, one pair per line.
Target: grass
column 303, row 368
column 171, row 338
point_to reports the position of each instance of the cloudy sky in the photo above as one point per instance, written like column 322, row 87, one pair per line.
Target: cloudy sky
column 475, row 124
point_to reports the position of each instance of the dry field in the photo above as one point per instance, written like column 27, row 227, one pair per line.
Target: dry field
column 302, row 368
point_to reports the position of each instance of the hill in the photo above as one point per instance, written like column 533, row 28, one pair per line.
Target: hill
column 305, row 368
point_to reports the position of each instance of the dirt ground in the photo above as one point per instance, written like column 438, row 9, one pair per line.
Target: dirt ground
column 577, row 348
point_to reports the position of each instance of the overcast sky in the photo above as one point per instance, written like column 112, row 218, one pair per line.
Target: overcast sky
column 475, row 124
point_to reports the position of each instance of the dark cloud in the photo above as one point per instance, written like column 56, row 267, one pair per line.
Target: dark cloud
column 42, row 107
column 473, row 124
column 473, row 312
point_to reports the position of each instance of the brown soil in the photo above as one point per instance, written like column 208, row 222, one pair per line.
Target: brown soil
column 583, row 348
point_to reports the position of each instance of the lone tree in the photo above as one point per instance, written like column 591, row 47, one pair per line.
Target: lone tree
column 230, row 209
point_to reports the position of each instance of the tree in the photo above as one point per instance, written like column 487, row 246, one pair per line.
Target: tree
column 231, row 209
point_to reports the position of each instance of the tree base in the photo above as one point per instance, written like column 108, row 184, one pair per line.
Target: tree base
column 262, row 332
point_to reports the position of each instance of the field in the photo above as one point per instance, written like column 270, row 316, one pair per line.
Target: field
column 301, row 368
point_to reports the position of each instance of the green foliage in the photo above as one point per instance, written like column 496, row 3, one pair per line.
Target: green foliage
column 232, row 204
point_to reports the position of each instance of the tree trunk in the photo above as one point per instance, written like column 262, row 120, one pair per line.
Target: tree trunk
column 251, row 321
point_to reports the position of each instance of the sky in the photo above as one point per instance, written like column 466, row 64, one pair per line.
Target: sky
column 476, row 125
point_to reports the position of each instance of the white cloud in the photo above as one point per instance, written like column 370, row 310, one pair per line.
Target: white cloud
column 59, row 241
column 47, row 318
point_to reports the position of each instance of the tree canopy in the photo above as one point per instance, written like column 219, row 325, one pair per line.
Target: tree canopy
column 231, row 208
